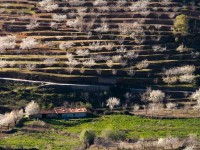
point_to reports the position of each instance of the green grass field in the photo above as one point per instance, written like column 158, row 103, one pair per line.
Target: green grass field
column 134, row 127
column 47, row 140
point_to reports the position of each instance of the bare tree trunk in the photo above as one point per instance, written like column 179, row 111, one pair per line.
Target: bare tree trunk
column 146, row 110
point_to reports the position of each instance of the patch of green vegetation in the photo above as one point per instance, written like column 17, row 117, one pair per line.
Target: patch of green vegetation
column 134, row 126
column 47, row 140
column 15, row 95
column 16, row 4
column 26, row 11
column 181, row 25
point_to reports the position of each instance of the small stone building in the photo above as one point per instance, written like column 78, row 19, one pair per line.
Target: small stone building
column 62, row 112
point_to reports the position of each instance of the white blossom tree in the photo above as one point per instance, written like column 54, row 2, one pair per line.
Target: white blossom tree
column 32, row 108
column 100, row 3
column 104, row 27
column 112, row 102
column 49, row 61
column 2, row 120
column 136, row 107
column 70, row 69
column 196, row 96
column 72, row 63
column 76, row 2
column 7, row 119
column 48, row 5
column 139, row 6
column 30, row 66
column 3, row 63
column 7, row 42
column 59, row 17
column 54, row 25
column 28, row 43
column 32, row 25
column 82, row 53
column 89, row 63
column 69, row 56
column 11, row 63
column 156, row 96
column 183, row 74
column 11, row 118
column 169, row 142
column 109, row 63
column 171, row 106
column 66, row 45
column 142, row 65
column 17, row 115
column 152, row 96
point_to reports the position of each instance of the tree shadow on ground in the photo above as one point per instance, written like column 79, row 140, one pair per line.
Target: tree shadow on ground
column 70, row 122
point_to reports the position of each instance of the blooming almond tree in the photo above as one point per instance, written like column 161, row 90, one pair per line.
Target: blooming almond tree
column 2, row 120
column 28, row 43
column 49, row 61
column 16, row 115
column 171, row 106
column 66, row 45
column 112, row 102
column 69, row 56
column 32, row 108
column 156, row 96
column 139, row 6
column 89, row 63
column 169, row 142
column 59, row 18
column 30, row 66
column 48, row 5
column 142, row 65
column 152, row 96
column 109, row 63
column 7, row 42
column 76, row 2
column 7, row 119
column 54, row 25
column 100, row 3
column 32, row 25
column 196, row 96
column 183, row 74
column 82, row 52
column 72, row 63
column 11, row 118
column 3, row 63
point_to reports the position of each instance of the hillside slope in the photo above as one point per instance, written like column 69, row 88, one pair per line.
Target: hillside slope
column 107, row 42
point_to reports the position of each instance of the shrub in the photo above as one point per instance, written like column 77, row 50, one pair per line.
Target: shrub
column 169, row 142
column 112, row 135
column 192, row 140
column 38, row 123
column 87, row 136
column 183, row 48
column 181, row 25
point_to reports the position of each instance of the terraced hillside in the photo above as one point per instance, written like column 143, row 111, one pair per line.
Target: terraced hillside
column 126, row 43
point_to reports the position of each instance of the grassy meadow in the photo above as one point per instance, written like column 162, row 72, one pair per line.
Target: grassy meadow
column 64, row 134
